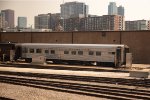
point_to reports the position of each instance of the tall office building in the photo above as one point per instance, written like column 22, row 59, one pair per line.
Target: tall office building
column 22, row 22
column 112, row 9
column 47, row 21
column 9, row 17
column 41, row 21
column 2, row 20
column 121, row 10
column 74, row 10
column 55, row 22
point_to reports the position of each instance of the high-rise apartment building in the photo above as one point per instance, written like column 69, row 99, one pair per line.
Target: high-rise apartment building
column 22, row 22
column 113, row 22
column 71, row 24
column 9, row 17
column 137, row 25
column 95, row 23
column 74, row 10
column 121, row 10
column 112, row 9
column 91, row 23
column 142, row 24
column 130, row 25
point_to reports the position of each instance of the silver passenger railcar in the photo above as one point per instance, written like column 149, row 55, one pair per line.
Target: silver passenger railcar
column 101, row 54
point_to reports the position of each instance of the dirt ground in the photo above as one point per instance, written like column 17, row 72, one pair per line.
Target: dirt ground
column 29, row 93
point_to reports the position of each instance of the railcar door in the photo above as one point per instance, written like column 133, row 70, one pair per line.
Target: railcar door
column 126, row 50
column 118, row 56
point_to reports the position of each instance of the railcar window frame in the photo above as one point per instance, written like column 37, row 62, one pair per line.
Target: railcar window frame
column 80, row 52
column 38, row 50
column 52, row 51
column 91, row 53
column 98, row 53
column 66, row 52
column 46, row 51
column 31, row 50
column 73, row 52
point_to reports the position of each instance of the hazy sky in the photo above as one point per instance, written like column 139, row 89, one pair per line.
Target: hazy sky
column 134, row 9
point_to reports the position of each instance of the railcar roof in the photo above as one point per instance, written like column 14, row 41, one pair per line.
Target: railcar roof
column 72, row 45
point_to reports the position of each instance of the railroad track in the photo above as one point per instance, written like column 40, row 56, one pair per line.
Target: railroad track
column 63, row 84
column 108, row 80
column 68, row 67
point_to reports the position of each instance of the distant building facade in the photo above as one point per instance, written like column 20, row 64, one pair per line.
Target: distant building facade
column 121, row 10
column 113, row 22
column 71, row 24
column 54, row 22
column 91, row 23
column 148, row 26
column 112, row 9
column 74, row 10
column 2, row 21
column 47, row 21
column 137, row 25
column 27, row 30
column 95, row 23
column 130, row 25
column 9, row 17
column 22, row 22
column 42, row 21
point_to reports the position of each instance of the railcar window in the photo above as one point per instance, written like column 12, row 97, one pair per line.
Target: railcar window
column 38, row 50
column 66, row 52
column 31, row 50
column 91, row 53
column 46, row 51
column 112, row 53
column 52, row 51
column 73, row 52
column 98, row 53
column 80, row 52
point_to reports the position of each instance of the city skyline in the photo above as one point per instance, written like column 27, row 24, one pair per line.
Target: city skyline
column 134, row 10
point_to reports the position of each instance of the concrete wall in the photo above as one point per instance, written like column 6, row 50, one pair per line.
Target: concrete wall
column 96, row 37
column 138, row 41
column 52, row 37
column 15, row 37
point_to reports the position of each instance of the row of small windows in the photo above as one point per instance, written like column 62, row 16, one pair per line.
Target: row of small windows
column 37, row 51
column 31, row 50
